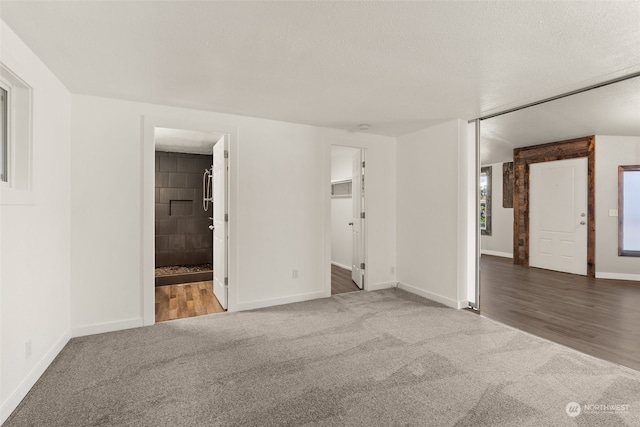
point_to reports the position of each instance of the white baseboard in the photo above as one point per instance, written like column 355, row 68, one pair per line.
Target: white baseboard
column 99, row 328
column 433, row 297
column 19, row 393
column 337, row 264
column 251, row 305
column 497, row 253
column 383, row 285
column 617, row 276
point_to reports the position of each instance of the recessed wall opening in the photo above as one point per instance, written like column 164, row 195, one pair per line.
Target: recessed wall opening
column 184, row 228
column 348, row 216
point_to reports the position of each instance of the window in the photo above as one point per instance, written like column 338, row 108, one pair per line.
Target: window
column 15, row 138
column 629, row 210
column 341, row 189
column 4, row 134
column 485, row 200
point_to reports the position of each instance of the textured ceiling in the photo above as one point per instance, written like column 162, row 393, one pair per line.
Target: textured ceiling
column 398, row 66
column 609, row 110
column 185, row 141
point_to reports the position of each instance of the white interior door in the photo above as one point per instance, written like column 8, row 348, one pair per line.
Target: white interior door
column 220, row 168
column 357, row 193
column 558, row 215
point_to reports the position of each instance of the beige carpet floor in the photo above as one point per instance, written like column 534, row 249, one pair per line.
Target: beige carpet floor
column 385, row 358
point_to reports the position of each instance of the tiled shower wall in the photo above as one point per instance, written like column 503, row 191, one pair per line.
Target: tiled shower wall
column 182, row 225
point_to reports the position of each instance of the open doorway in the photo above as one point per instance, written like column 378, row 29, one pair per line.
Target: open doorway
column 550, row 263
column 186, row 163
column 347, row 219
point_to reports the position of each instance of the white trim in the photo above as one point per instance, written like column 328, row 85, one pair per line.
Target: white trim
column 99, row 328
column 337, row 264
column 497, row 253
column 617, row 276
column 382, row 285
column 21, row 391
column 251, row 305
column 433, row 297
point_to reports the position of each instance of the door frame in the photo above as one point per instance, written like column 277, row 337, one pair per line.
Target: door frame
column 559, row 150
column 326, row 189
column 224, row 140
column 147, row 217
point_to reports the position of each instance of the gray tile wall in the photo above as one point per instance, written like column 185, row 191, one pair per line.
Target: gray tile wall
column 182, row 225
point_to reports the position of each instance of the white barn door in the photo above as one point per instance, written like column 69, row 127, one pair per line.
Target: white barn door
column 220, row 154
column 558, row 215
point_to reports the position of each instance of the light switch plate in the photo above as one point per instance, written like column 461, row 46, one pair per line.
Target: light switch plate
column 613, row 212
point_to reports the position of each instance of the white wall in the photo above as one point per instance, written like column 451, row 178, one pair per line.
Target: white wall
column 611, row 152
column 34, row 236
column 281, row 209
column 342, row 208
column 432, row 209
column 500, row 243
column 341, row 233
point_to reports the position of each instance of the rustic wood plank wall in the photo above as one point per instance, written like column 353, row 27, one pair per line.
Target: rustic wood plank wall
column 507, row 185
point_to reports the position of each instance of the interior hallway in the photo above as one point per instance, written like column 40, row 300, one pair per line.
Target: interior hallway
column 186, row 300
column 341, row 281
column 599, row 317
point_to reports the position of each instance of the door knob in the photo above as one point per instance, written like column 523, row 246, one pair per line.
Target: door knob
column 211, row 227
column 350, row 223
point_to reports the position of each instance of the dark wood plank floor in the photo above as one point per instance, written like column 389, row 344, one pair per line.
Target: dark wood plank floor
column 341, row 281
column 599, row 317
column 186, row 300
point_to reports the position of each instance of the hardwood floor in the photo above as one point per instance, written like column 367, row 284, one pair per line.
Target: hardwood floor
column 186, row 300
column 341, row 281
column 599, row 317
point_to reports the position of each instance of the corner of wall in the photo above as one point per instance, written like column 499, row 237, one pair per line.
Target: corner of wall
column 432, row 256
column 14, row 399
column 45, row 326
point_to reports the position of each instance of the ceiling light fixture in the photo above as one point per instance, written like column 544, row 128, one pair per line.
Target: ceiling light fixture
column 363, row 126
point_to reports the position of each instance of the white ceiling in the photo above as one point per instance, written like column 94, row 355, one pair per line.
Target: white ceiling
column 609, row 110
column 185, row 141
column 398, row 66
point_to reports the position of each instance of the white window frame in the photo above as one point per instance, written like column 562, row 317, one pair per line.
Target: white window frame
column 6, row 182
column 18, row 188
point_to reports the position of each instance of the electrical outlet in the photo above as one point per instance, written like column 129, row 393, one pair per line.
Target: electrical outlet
column 392, row 270
column 27, row 349
column 613, row 212
column 294, row 273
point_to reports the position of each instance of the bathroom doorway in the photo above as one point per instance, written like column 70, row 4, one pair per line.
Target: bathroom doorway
column 183, row 204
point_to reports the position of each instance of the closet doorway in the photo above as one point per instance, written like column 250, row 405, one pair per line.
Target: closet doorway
column 348, row 219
